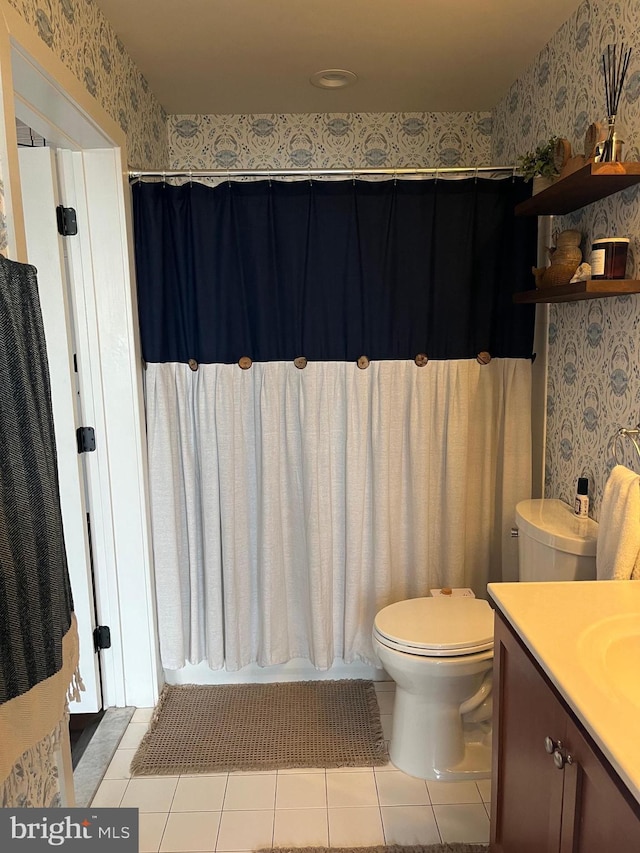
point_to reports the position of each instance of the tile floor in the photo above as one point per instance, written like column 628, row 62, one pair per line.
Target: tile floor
column 236, row 812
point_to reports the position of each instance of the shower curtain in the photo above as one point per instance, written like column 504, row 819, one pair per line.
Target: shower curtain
column 377, row 440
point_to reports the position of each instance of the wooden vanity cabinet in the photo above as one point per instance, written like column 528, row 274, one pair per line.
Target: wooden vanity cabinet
column 537, row 807
column 599, row 813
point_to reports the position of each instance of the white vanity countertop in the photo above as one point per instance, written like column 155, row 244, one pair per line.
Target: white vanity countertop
column 584, row 634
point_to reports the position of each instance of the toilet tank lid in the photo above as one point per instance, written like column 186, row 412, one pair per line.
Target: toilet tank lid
column 554, row 523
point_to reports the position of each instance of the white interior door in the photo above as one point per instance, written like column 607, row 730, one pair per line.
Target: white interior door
column 91, row 173
column 46, row 251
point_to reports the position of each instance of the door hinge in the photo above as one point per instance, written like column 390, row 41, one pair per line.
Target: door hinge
column 101, row 638
column 67, row 222
column 86, row 438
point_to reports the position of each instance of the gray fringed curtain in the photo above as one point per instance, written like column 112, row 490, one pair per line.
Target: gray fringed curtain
column 38, row 636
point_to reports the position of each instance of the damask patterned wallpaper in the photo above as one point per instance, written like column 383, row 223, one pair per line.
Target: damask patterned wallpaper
column 594, row 365
column 80, row 36
column 315, row 140
column 594, row 378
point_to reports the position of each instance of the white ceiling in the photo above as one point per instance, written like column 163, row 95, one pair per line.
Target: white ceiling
column 256, row 56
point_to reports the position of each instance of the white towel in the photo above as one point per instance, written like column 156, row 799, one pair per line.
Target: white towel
column 618, row 547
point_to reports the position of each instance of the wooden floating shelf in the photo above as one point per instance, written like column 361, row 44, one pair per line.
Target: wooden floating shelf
column 590, row 289
column 588, row 184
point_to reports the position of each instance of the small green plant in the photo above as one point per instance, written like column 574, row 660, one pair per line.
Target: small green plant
column 540, row 161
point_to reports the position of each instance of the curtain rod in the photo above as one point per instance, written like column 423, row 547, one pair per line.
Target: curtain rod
column 310, row 173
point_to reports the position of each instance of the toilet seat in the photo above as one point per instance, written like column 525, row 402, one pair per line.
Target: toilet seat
column 436, row 627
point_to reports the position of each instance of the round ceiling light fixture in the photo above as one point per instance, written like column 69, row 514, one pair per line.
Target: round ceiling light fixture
column 333, row 78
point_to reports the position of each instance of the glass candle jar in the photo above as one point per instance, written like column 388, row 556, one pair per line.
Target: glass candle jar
column 609, row 257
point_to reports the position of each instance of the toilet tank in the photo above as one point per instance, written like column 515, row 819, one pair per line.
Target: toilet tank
column 553, row 543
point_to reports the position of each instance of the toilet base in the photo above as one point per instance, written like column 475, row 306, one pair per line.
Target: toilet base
column 431, row 740
column 475, row 765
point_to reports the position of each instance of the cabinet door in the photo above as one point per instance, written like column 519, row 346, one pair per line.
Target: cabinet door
column 527, row 799
column 598, row 813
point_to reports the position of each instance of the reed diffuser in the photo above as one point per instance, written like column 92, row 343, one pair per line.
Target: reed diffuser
column 614, row 69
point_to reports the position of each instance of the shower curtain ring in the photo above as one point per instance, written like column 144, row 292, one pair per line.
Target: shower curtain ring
column 513, row 175
column 475, row 177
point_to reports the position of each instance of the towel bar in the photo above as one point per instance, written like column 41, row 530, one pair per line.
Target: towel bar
column 632, row 434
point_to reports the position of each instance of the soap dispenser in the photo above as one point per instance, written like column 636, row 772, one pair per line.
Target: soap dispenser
column 582, row 498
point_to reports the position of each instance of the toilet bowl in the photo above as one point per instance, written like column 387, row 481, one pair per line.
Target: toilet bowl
column 439, row 651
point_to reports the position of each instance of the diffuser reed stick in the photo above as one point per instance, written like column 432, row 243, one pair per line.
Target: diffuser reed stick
column 614, row 70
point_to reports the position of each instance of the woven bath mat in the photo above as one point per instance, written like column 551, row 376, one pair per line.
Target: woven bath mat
column 204, row 729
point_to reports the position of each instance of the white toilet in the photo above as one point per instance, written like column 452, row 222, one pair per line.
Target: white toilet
column 439, row 651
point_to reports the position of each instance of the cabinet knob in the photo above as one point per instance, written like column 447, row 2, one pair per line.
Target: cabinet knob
column 551, row 745
column 562, row 758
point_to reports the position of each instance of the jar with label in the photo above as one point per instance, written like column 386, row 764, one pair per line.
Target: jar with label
column 609, row 257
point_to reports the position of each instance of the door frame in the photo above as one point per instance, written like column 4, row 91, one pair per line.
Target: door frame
column 40, row 90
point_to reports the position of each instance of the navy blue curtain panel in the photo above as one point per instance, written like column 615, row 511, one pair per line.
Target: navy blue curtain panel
column 333, row 270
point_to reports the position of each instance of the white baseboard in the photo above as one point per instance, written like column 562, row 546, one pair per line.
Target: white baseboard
column 295, row 670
